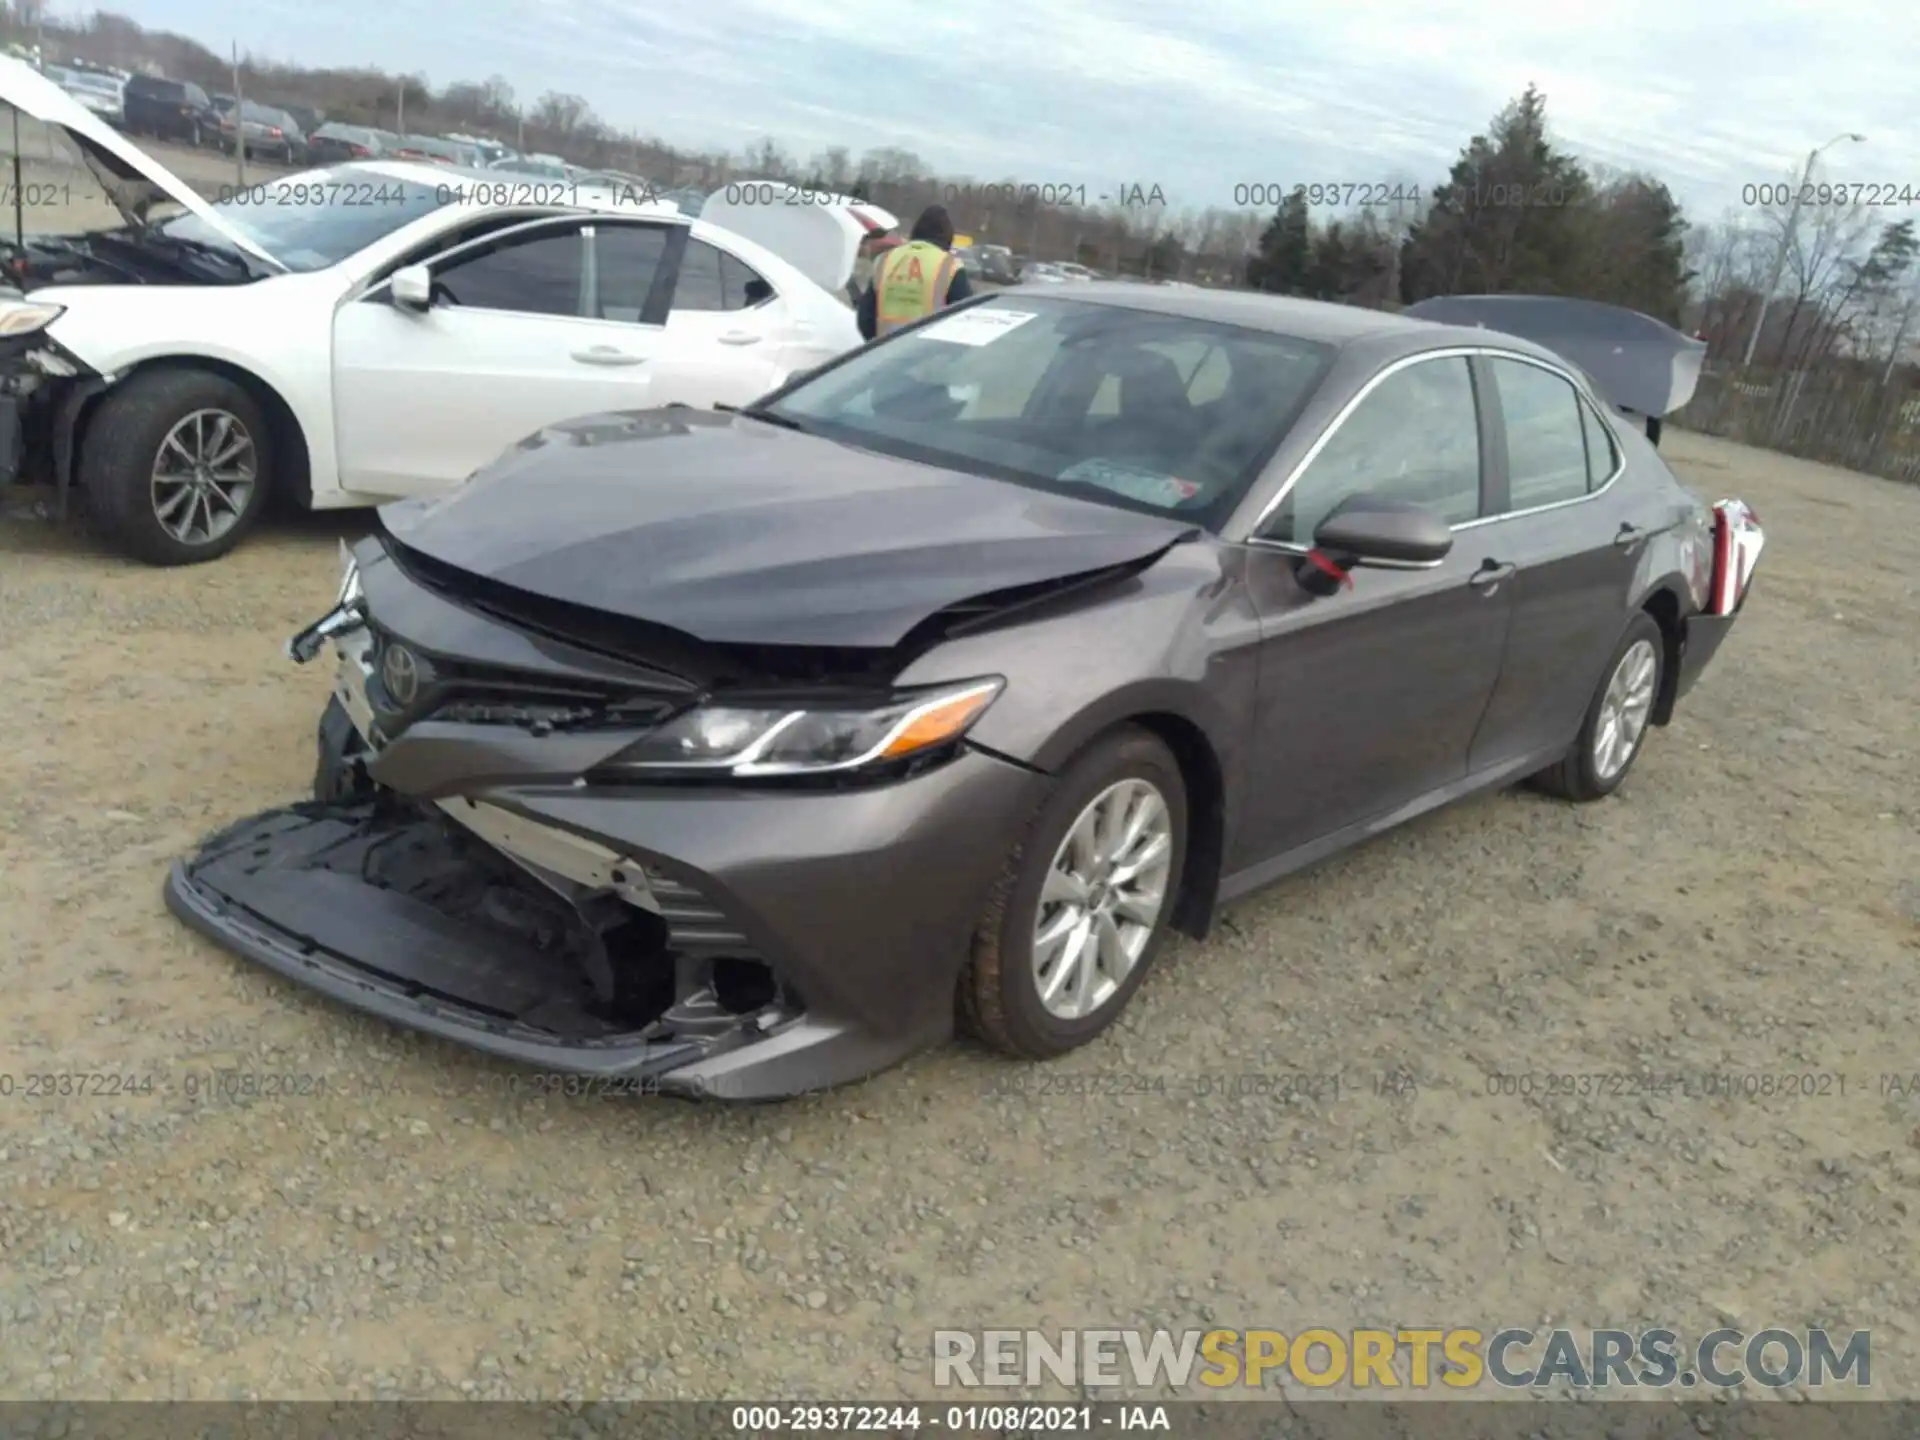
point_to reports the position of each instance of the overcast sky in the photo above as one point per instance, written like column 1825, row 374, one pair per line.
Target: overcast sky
column 1709, row 95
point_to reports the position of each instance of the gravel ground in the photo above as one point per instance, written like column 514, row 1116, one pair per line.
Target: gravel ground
column 413, row 1223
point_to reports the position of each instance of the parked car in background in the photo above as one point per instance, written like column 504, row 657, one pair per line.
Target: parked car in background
column 307, row 118
column 545, row 167
column 265, row 131
column 170, row 109
column 375, row 330
column 334, row 142
column 1070, row 271
column 994, row 264
column 101, row 93
column 434, row 149
column 1042, row 272
column 488, row 151
column 746, row 755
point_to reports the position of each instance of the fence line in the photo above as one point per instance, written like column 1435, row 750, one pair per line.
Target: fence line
column 1838, row 416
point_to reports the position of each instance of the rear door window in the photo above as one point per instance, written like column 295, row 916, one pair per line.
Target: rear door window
column 1546, row 435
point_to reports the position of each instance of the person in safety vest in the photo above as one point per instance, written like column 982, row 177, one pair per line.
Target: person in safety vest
column 915, row 279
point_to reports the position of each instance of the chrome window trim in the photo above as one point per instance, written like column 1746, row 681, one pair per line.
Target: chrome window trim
column 1451, row 352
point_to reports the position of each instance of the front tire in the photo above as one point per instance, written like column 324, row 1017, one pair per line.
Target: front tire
column 175, row 464
column 1081, row 908
column 1618, row 719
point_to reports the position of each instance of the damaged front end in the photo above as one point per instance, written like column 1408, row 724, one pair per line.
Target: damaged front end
column 43, row 389
column 590, row 862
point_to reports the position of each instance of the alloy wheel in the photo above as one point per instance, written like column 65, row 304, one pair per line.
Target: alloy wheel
column 1102, row 898
column 203, row 476
column 1624, row 710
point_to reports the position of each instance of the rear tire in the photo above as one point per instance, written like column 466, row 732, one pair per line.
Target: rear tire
column 1000, row 998
column 1624, row 700
column 147, row 491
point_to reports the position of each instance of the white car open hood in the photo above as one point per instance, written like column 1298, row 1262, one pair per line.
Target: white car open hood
column 133, row 180
column 815, row 232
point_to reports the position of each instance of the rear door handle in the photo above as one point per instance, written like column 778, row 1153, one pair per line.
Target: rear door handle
column 607, row 355
column 1489, row 576
column 1630, row 535
column 739, row 337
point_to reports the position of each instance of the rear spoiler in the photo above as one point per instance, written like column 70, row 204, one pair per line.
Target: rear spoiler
column 1641, row 365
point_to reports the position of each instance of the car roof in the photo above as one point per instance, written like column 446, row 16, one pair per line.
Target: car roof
column 1321, row 321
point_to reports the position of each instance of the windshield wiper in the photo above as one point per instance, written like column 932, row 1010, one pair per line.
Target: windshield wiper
column 225, row 254
column 785, row 422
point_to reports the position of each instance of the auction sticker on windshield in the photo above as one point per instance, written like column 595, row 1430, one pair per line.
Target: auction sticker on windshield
column 979, row 326
column 1150, row 487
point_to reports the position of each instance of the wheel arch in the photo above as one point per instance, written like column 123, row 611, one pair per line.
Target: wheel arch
column 1666, row 603
column 1201, row 773
column 292, row 458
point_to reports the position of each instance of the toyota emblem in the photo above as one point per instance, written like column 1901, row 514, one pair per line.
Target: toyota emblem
column 400, row 675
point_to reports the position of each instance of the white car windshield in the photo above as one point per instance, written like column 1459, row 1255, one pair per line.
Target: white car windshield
column 1138, row 408
column 311, row 221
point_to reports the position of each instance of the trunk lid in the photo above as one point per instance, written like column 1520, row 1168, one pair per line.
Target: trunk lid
column 817, row 232
column 1637, row 362
column 133, row 180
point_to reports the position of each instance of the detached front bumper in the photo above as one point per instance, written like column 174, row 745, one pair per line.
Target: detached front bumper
column 722, row 942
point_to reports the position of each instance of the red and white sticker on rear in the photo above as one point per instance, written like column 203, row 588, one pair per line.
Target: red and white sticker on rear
column 1737, row 542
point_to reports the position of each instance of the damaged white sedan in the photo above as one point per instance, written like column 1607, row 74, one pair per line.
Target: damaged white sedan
column 372, row 331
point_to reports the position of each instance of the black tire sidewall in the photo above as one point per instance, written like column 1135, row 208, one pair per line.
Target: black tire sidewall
column 1642, row 627
column 1128, row 754
column 123, row 442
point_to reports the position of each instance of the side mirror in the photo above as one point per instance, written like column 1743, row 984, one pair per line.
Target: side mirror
column 1372, row 529
column 412, row 287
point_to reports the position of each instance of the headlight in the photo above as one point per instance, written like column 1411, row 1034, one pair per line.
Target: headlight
column 749, row 741
column 23, row 317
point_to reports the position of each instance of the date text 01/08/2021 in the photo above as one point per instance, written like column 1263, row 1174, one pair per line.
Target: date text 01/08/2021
column 990, row 1419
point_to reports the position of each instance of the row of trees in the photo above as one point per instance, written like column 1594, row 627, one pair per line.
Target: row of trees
column 1517, row 211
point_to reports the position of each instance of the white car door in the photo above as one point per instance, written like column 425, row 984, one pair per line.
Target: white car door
column 523, row 333
column 730, row 338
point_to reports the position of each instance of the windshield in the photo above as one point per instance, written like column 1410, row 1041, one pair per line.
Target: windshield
column 315, row 219
column 1146, row 410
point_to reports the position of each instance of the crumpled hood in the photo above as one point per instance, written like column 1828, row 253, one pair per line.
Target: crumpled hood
column 736, row 532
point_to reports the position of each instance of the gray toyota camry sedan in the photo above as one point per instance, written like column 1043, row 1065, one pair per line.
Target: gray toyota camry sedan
column 739, row 754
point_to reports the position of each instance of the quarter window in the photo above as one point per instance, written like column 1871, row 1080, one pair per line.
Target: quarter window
column 1546, row 435
column 1603, row 455
column 529, row 274
column 1416, row 437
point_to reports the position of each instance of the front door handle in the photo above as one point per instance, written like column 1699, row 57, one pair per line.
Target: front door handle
column 1629, row 535
column 739, row 337
column 1488, row 577
column 607, row 355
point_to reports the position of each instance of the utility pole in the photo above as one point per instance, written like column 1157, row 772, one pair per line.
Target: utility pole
column 239, row 123
column 400, row 108
column 520, row 131
column 1786, row 242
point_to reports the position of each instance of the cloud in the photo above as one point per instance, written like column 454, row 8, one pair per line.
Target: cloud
column 1709, row 95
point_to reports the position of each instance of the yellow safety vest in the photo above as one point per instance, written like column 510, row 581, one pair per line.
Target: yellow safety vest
column 910, row 281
